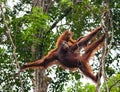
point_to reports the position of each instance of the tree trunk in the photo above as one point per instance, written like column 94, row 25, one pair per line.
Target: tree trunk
column 40, row 78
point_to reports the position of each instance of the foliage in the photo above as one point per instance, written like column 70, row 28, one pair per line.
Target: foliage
column 78, row 87
column 30, row 27
column 113, row 83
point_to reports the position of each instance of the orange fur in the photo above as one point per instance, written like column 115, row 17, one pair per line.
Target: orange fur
column 65, row 36
column 65, row 53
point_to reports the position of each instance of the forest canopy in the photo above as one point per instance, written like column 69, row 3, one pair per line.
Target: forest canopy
column 30, row 28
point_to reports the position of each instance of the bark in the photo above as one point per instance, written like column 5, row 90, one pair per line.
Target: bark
column 40, row 84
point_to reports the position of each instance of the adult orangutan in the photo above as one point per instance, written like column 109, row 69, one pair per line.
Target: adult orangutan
column 67, row 53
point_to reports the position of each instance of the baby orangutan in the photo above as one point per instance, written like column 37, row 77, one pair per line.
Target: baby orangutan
column 67, row 53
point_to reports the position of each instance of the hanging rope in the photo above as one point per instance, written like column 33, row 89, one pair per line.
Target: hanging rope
column 106, row 22
column 7, row 31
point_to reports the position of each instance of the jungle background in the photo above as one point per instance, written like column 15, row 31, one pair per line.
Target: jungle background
column 30, row 28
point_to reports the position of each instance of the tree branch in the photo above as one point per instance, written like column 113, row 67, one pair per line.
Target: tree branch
column 113, row 85
column 107, row 24
column 7, row 31
column 66, row 12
